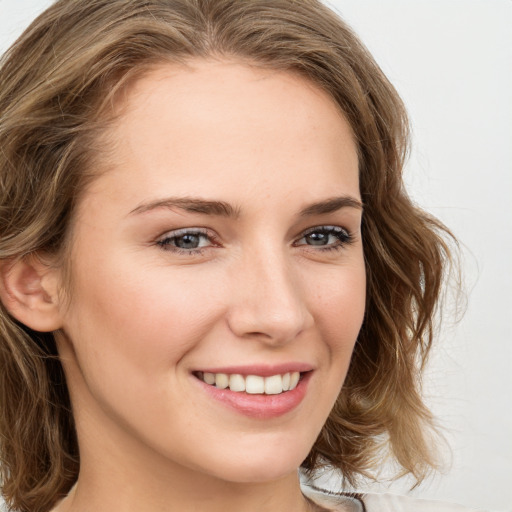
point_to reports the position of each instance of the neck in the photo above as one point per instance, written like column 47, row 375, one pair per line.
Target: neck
column 143, row 494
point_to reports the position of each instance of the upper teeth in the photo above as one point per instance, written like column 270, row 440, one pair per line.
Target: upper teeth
column 253, row 384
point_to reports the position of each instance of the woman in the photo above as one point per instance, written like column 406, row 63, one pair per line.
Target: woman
column 194, row 304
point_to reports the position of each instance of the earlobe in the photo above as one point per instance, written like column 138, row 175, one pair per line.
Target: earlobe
column 28, row 290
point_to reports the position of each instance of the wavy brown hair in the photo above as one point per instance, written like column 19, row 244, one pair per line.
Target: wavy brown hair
column 58, row 84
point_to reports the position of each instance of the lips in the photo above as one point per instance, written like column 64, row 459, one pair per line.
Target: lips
column 258, row 392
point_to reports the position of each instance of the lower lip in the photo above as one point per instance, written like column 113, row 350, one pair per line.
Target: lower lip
column 260, row 406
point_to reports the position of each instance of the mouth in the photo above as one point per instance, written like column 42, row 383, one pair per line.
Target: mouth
column 257, row 391
column 253, row 384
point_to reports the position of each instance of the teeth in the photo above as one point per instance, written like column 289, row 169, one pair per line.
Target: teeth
column 286, row 382
column 209, row 378
column 274, row 385
column 294, row 379
column 221, row 380
column 253, row 384
column 236, row 383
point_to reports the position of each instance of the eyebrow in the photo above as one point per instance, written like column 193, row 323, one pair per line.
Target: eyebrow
column 191, row 204
column 223, row 209
column 331, row 205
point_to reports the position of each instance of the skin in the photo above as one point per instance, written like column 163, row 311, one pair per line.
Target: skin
column 143, row 317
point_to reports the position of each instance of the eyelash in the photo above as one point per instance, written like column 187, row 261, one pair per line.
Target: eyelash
column 343, row 236
column 166, row 243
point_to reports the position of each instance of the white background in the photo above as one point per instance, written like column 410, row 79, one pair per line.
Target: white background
column 451, row 60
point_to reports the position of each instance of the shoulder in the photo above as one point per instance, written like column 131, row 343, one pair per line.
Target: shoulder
column 347, row 502
column 334, row 502
column 395, row 503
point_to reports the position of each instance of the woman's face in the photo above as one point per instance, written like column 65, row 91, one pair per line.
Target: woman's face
column 223, row 238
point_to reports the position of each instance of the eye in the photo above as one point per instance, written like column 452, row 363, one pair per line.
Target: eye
column 325, row 237
column 186, row 241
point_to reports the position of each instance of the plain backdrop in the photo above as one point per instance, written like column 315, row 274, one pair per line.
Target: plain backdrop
column 451, row 60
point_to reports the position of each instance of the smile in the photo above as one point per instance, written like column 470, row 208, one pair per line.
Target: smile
column 252, row 384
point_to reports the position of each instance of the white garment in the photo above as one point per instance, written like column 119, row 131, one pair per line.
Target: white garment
column 395, row 503
column 378, row 503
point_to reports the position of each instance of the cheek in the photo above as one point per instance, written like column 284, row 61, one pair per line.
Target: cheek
column 337, row 299
column 144, row 319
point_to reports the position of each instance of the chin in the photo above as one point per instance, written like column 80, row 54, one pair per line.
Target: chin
column 268, row 463
column 260, row 473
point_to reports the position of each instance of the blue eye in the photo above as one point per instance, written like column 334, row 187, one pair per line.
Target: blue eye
column 325, row 237
column 195, row 241
column 185, row 241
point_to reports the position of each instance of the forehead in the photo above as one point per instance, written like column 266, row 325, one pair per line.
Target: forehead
column 204, row 126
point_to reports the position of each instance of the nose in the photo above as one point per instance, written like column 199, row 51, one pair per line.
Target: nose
column 267, row 300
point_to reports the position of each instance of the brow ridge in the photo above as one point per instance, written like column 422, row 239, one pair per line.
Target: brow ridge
column 224, row 209
column 190, row 204
column 331, row 205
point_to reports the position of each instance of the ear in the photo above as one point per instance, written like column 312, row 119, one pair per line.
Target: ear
column 29, row 291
